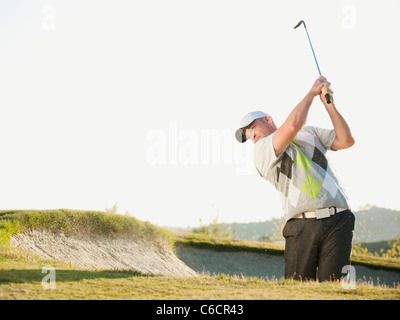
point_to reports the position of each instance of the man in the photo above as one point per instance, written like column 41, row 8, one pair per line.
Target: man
column 319, row 224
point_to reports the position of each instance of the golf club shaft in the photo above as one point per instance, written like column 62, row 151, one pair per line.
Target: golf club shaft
column 312, row 49
column 327, row 96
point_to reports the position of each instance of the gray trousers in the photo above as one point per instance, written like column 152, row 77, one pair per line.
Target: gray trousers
column 318, row 248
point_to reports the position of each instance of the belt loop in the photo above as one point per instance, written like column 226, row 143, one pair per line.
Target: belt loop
column 303, row 214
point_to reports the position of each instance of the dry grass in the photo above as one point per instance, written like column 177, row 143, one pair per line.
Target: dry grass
column 23, row 281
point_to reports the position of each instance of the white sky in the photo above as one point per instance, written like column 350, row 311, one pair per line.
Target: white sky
column 105, row 102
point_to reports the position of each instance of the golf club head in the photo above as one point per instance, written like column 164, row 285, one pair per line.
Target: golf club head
column 300, row 22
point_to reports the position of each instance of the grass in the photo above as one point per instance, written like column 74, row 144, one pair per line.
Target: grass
column 21, row 276
column 19, row 280
column 227, row 244
column 77, row 223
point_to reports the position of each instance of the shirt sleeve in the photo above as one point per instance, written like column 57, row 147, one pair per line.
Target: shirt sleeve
column 264, row 155
column 325, row 136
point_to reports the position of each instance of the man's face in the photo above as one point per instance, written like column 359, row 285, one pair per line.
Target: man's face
column 260, row 128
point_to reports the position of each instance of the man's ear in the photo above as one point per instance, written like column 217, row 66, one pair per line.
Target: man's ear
column 268, row 119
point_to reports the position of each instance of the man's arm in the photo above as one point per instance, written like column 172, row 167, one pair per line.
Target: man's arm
column 344, row 138
column 284, row 135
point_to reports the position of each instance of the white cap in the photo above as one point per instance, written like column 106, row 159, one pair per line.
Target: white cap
column 247, row 119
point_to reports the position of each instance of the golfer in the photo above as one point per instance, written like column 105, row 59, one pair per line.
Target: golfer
column 319, row 224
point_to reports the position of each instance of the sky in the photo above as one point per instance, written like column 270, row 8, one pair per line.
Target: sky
column 135, row 103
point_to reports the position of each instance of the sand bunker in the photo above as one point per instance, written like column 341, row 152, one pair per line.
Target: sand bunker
column 251, row 264
column 240, row 263
column 103, row 253
column 148, row 258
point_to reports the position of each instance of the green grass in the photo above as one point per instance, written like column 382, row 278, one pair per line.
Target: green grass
column 227, row 244
column 21, row 276
column 78, row 223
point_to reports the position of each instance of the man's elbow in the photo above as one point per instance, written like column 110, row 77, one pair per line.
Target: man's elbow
column 353, row 141
column 342, row 144
column 349, row 142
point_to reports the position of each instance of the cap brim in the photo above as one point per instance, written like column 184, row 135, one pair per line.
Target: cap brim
column 240, row 136
column 247, row 120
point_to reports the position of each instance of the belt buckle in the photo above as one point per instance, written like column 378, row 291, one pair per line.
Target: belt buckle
column 323, row 213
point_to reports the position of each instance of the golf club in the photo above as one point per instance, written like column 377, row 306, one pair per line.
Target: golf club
column 327, row 96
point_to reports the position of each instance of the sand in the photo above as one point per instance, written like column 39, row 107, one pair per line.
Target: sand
column 240, row 263
column 103, row 253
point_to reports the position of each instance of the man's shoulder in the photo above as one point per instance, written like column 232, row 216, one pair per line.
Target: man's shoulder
column 263, row 141
column 263, row 145
column 264, row 156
